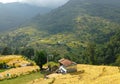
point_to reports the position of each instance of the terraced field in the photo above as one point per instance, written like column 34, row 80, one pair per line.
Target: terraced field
column 16, row 66
column 86, row 74
column 22, row 79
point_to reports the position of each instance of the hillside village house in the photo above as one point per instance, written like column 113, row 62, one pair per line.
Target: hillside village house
column 67, row 66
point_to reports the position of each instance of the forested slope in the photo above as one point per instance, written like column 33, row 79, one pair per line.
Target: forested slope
column 85, row 31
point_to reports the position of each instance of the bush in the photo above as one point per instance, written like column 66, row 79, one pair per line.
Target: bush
column 117, row 62
column 3, row 65
column 52, row 64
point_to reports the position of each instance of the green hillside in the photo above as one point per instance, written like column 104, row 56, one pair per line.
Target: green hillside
column 62, row 19
column 81, row 30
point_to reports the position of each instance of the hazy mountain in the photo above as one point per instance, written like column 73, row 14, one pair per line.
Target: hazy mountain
column 14, row 14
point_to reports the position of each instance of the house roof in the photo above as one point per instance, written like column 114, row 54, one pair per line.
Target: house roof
column 66, row 62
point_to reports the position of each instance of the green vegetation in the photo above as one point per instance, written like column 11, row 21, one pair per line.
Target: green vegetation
column 22, row 79
column 52, row 64
column 2, row 70
column 41, row 58
column 84, row 31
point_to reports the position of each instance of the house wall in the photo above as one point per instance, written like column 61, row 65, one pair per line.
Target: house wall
column 72, row 68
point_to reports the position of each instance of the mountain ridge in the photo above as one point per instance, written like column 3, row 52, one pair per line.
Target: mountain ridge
column 74, row 9
column 78, row 31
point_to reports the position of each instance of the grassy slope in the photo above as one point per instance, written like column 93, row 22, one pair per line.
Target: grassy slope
column 22, row 79
column 16, row 61
column 87, row 74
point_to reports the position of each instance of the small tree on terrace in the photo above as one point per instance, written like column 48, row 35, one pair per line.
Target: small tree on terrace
column 7, row 51
column 41, row 58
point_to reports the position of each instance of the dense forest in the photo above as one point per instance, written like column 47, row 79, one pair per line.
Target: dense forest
column 85, row 31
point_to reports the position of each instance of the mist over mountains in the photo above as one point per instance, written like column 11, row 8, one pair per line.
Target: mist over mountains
column 41, row 3
column 12, row 15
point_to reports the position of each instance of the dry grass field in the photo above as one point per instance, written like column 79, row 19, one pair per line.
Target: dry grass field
column 14, row 60
column 86, row 74
column 18, row 66
column 15, row 72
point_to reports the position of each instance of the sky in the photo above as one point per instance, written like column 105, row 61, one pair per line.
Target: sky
column 43, row 3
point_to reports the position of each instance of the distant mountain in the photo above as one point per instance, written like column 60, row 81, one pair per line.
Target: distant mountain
column 78, row 30
column 63, row 18
column 12, row 15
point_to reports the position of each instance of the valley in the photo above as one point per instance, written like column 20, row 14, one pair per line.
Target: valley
column 84, row 31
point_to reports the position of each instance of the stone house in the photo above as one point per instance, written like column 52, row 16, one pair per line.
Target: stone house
column 67, row 66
